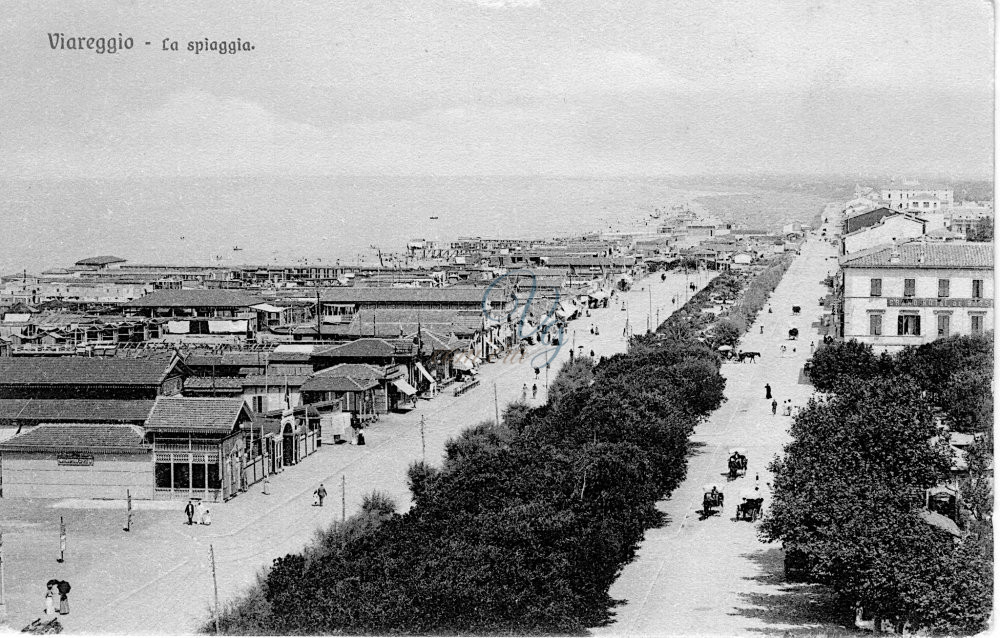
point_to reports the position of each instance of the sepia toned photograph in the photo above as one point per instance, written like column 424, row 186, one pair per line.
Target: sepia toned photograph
column 610, row 318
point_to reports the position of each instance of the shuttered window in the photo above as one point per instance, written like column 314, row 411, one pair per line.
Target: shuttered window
column 875, row 325
column 876, row 288
column 944, row 287
column 909, row 287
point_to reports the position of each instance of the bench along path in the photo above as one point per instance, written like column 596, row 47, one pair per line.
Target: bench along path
column 713, row 576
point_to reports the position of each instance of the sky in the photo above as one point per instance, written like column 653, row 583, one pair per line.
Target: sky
column 500, row 87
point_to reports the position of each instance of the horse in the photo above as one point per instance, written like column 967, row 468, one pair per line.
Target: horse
column 709, row 502
column 749, row 355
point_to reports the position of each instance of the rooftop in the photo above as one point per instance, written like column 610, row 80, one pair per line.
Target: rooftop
column 351, row 295
column 207, row 298
column 78, row 410
column 916, row 254
column 368, row 348
column 104, row 437
column 83, row 371
column 185, row 414
column 102, row 260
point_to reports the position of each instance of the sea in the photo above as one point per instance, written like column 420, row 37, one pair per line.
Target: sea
column 257, row 220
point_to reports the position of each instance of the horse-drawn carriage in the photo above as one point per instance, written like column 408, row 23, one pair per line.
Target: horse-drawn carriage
column 796, row 310
column 751, row 504
column 737, row 463
column 713, row 498
column 793, row 333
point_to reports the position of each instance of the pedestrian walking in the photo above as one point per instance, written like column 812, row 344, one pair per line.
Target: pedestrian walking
column 534, row 390
column 812, row 346
column 321, row 493
column 51, row 592
column 199, row 513
column 524, row 392
column 592, row 354
column 189, row 512
column 206, row 518
column 774, row 406
column 361, row 436
column 767, row 390
column 63, row 599
column 762, row 330
column 537, row 371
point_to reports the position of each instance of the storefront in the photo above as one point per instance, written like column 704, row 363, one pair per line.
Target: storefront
column 77, row 460
column 200, row 447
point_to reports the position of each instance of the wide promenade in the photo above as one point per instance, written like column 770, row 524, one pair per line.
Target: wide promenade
column 157, row 579
column 712, row 576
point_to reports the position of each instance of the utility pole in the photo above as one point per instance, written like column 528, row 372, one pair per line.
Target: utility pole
column 496, row 402
column 215, row 585
column 423, row 442
column 343, row 498
column 62, row 541
column 128, row 511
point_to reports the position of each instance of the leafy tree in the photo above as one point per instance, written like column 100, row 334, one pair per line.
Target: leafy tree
column 849, row 361
column 982, row 231
column 728, row 332
column 846, row 496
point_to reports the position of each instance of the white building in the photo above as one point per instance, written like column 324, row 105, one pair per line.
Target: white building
column 888, row 230
column 918, row 199
column 913, row 293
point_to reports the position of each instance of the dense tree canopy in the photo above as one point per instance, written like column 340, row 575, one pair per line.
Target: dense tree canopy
column 526, row 524
column 849, row 489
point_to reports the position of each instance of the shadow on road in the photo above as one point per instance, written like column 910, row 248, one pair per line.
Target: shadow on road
column 695, row 448
column 797, row 609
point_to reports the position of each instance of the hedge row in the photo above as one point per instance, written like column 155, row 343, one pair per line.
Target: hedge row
column 525, row 525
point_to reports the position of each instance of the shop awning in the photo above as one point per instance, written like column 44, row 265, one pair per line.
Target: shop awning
column 404, row 387
column 426, row 374
column 461, row 364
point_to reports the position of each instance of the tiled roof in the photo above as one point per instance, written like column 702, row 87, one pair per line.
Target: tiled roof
column 275, row 380
column 105, row 437
column 353, row 295
column 392, row 323
column 925, row 255
column 78, row 410
column 207, row 383
column 83, row 371
column 353, row 371
column 102, row 260
column 195, row 299
column 212, row 415
column 338, row 384
column 370, row 348
column 228, row 359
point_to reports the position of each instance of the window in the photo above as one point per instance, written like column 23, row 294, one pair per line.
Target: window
column 927, row 204
column 977, row 288
column 909, row 287
column 875, row 324
column 944, row 287
column 258, row 404
column 977, row 324
column 944, row 325
column 876, row 288
column 908, row 325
